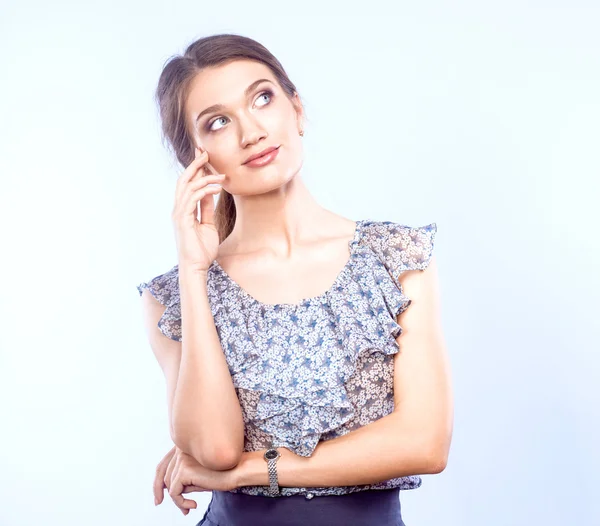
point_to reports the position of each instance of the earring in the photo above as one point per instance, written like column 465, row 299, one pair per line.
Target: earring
column 301, row 133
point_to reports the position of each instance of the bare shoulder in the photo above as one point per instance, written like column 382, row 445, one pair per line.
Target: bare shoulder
column 341, row 226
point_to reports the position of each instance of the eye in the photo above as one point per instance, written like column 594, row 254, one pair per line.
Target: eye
column 209, row 126
column 267, row 93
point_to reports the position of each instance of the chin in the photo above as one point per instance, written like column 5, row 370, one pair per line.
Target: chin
column 266, row 184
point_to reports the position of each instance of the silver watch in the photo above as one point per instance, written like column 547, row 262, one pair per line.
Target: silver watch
column 271, row 455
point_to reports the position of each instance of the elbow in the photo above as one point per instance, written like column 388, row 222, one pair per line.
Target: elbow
column 216, row 458
column 437, row 463
column 222, row 460
column 437, row 455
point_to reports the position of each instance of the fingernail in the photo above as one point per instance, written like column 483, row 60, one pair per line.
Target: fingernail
column 155, row 501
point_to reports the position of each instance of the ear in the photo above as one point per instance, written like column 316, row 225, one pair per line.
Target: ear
column 299, row 108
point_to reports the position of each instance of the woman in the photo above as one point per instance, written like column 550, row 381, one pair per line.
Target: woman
column 279, row 329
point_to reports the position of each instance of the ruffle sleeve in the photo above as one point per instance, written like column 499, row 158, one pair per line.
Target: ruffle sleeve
column 165, row 288
column 400, row 248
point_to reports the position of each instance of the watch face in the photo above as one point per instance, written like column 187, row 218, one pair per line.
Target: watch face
column 271, row 454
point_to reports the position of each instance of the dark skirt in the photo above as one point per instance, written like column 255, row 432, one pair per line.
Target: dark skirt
column 361, row 508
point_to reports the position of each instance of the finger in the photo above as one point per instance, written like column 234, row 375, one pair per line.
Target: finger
column 198, row 195
column 204, row 181
column 185, row 202
column 210, row 169
column 169, row 470
column 176, row 493
column 197, row 185
column 172, row 471
column 159, row 484
column 183, row 504
column 169, row 473
column 195, row 167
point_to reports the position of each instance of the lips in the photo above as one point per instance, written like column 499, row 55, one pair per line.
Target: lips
column 264, row 153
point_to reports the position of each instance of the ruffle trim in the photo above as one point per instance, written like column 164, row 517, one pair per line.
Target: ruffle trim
column 361, row 308
column 401, row 247
column 165, row 288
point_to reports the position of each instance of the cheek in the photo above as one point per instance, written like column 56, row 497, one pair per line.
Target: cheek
column 223, row 153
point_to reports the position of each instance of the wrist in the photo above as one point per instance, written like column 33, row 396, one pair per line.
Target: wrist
column 190, row 278
column 191, row 271
column 253, row 471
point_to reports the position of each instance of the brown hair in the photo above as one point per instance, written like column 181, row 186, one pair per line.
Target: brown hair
column 172, row 90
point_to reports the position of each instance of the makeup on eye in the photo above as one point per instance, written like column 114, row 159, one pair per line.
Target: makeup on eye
column 268, row 92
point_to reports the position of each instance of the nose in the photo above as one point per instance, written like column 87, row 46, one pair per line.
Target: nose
column 251, row 132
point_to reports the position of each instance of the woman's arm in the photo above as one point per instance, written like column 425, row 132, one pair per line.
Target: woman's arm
column 414, row 439
column 205, row 417
column 166, row 351
column 378, row 451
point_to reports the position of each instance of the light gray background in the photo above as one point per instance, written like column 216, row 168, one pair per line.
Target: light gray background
column 481, row 116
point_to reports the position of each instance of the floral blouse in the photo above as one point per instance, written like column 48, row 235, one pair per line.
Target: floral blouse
column 322, row 367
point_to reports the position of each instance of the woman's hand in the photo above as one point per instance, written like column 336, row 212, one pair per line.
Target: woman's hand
column 163, row 476
column 188, row 473
column 197, row 240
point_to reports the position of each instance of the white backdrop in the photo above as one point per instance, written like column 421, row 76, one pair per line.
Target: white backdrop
column 480, row 116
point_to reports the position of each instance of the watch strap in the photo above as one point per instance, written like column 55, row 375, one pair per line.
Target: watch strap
column 271, row 456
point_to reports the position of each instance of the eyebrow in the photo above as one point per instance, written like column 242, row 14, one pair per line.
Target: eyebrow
column 219, row 107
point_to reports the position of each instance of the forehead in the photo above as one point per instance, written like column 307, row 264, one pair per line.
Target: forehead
column 224, row 84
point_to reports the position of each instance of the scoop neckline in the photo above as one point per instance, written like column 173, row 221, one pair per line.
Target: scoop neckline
column 304, row 301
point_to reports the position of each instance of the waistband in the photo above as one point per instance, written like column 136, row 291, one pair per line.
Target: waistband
column 359, row 508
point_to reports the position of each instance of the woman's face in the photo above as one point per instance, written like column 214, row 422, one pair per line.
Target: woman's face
column 253, row 116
